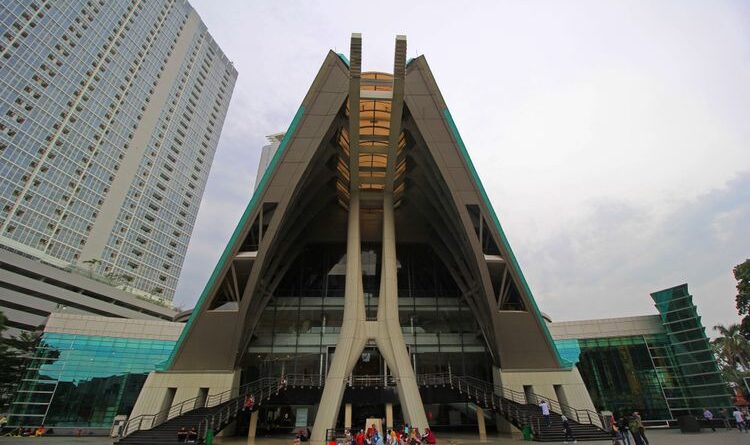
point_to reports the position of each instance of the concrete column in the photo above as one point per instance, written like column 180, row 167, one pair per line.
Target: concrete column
column 390, row 339
column 481, row 425
column 352, row 338
column 389, row 416
column 355, row 329
column 505, row 428
column 252, row 428
column 348, row 415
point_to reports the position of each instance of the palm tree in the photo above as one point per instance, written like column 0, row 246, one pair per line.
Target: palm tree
column 733, row 349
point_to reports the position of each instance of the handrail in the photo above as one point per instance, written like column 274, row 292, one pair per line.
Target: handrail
column 261, row 389
column 510, row 403
column 137, row 423
column 479, row 390
column 149, row 421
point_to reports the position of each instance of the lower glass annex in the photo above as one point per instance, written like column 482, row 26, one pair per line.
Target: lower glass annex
column 82, row 382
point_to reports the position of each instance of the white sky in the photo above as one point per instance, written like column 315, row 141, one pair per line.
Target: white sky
column 613, row 138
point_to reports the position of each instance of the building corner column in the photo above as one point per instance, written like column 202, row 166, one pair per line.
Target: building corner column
column 481, row 425
column 252, row 428
column 389, row 416
column 348, row 415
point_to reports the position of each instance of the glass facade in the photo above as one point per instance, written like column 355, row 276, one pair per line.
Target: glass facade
column 82, row 382
column 699, row 383
column 663, row 375
column 298, row 329
column 81, row 157
column 619, row 374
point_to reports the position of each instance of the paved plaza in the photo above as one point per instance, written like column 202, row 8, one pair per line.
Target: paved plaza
column 656, row 437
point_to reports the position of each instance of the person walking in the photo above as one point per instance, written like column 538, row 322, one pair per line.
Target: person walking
column 635, row 430
column 568, row 432
column 739, row 419
column 708, row 416
column 641, row 429
column 545, row 412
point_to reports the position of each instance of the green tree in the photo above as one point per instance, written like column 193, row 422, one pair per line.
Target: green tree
column 15, row 352
column 732, row 351
column 742, row 275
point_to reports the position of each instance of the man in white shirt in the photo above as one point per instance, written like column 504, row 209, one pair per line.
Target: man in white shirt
column 545, row 412
column 739, row 419
column 708, row 416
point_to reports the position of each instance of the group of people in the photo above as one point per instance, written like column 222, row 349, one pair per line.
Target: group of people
column 404, row 436
column 629, row 426
column 187, row 436
column 741, row 418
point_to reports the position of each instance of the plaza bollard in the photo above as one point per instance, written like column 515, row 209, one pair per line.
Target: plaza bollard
column 527, row 434
column 209, row 437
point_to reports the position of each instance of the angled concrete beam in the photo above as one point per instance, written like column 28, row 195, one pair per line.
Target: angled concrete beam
column 390, row 338
column 352, row 338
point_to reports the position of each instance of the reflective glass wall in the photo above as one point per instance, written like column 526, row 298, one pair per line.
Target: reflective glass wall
column 82, row 382
column 619, row 374
column 651, row 374
column 699, row 384
column 298, row 329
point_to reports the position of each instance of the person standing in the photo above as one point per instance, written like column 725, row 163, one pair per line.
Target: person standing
column 545, row 412
column 635, row 430
column 641, row 429
column 567, row 430
column 739, row 419
column 708, row 416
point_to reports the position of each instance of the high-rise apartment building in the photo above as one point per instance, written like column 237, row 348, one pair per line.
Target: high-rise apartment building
column 110, row 113
column 266, row 154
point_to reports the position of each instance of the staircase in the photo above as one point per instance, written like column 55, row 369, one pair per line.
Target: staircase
column 166, row 433
column 521, row 410
column 215, row 412
column 219, row 410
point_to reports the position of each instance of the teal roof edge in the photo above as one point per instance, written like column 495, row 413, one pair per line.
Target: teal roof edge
column 503, row 238
column 343, row 58
column 235, row 235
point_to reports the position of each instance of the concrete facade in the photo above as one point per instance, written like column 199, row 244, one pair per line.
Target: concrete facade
column 31, row 291
column 371, row 179
column 155, row 395
column 606, row 327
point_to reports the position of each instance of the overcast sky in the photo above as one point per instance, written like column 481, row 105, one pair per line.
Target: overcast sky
column 613, row 138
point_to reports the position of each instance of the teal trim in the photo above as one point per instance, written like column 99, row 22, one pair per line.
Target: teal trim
column 343, row 58
column 503, row 238
column 411, row 59
column 235, row 235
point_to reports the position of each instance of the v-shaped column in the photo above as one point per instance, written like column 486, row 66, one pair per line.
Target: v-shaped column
column 355, row 329
column 389, row 337
column 352, row 338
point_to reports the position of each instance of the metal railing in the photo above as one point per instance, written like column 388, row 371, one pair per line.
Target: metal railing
column 259, row 388
column 371, row 381
column 511, row 404
column 508, row 402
